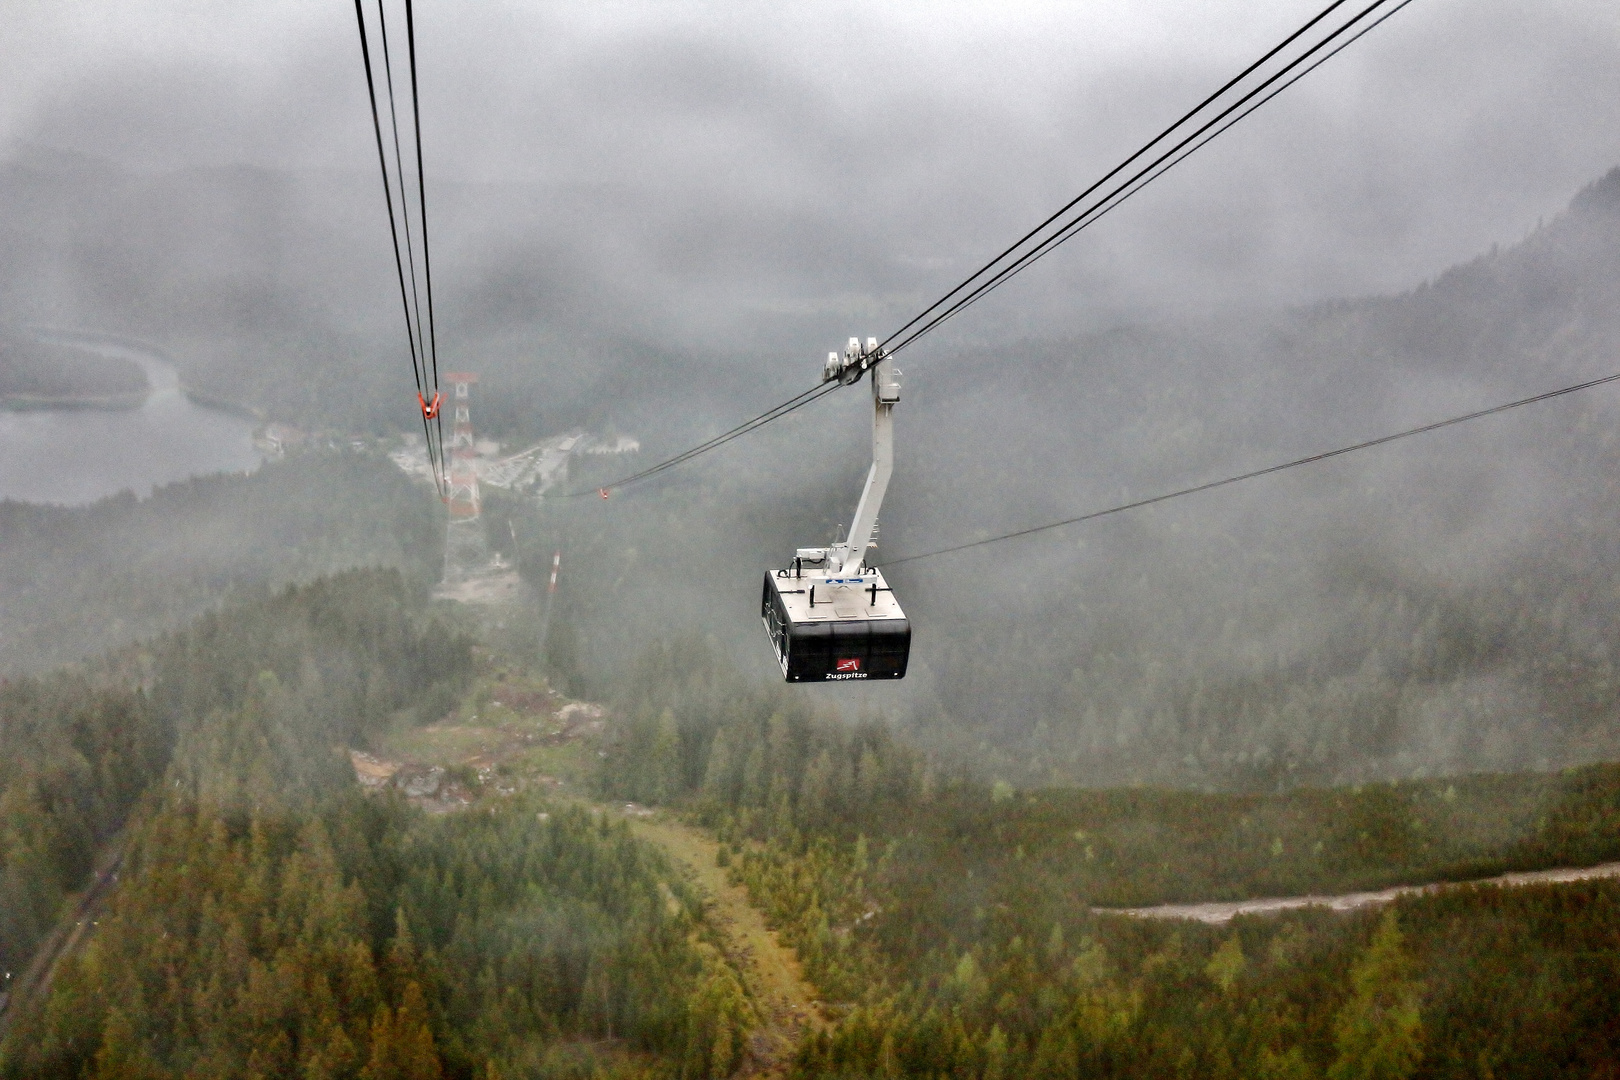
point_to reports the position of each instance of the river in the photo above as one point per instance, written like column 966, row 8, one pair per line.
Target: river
column 76, row 456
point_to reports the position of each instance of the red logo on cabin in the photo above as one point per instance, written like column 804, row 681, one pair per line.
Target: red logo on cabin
column 852, row 664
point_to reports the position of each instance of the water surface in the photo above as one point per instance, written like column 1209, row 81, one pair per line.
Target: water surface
column 76, row 456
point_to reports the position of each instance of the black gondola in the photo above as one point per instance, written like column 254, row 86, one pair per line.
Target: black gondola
column 835, row 629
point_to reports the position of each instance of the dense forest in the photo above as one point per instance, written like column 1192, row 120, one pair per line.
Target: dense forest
column 355, row 937
column 272, row 921
column 963, row 928
column 1497, row 983
column 320, row 664
column 760, row 765
column 77, row 581
column 78, row 757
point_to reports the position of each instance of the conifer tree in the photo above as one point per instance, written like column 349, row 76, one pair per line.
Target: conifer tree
column 664, row 761
column 1379, row 1032
column 122, row 1055
column 401, row 1042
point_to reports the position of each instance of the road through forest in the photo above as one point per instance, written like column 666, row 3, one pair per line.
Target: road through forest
column 1217, row 913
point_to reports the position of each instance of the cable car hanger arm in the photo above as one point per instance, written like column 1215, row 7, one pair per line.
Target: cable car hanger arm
column 849, row 554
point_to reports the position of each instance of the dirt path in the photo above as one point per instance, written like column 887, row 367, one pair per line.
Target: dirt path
column 771, row 970
column 1224, row 912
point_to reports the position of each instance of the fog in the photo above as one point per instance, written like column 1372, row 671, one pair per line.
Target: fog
column 738, row 164
column 657, row 218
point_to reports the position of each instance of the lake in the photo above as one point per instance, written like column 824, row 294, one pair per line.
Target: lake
column 76, row 456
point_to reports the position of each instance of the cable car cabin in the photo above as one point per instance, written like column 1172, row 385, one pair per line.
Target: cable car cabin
column 833, row 629
column 831, row 617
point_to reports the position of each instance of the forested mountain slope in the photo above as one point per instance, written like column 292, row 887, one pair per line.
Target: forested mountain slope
column 77, row 581
column 1441, row 605
column 272, row 920
column 951, row 924
column 278, row 677
column 1445, row 604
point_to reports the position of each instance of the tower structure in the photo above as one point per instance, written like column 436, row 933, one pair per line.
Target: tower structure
column 466, row 548
column 462, row 489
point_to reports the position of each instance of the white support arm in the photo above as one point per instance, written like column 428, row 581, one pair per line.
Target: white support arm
column 850, row 555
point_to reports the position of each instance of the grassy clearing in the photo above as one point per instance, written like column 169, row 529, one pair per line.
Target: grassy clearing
column 785, row 1000
column 512, row 733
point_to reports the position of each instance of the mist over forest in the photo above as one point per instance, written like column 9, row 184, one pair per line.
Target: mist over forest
column 1441, row 605
column 311, row 769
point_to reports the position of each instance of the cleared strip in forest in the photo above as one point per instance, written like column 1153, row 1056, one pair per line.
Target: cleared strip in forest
column 787, row 1003
column 1224, row 912
column 35, row 983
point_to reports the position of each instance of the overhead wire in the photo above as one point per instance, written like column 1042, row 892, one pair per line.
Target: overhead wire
column 418, row 343
column 1111, row 173
column 1206, row 140
column 1311, row 459
column 393, row 221
column 776, row 412
column 953, row 302
column 421, row 194
column 1144, row 176
column 420, row 340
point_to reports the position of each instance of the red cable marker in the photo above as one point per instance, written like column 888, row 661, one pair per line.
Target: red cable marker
column 430, row 409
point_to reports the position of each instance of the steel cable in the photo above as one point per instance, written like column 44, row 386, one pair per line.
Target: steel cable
column 1311, row 459
column 1112, row 202
column 1152, row 171
column 1146, row 147
column 393, row 230
column 792, row 404
column 421, row 339
column 1119, row 194
column 421, row 196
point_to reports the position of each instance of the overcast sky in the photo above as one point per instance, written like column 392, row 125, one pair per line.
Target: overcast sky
column 941, row 127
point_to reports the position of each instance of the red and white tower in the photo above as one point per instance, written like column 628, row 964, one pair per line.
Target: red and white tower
column 466, row 548
column 462, row 487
